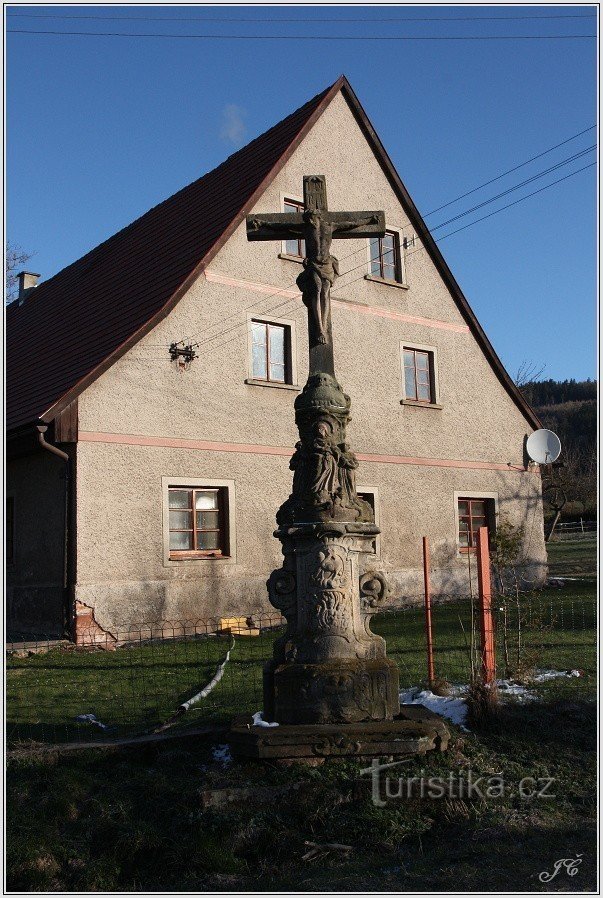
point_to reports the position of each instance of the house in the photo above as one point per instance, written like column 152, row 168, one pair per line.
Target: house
column 151, row 383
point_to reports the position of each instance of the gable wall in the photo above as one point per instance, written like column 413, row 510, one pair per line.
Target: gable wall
column 144, row 394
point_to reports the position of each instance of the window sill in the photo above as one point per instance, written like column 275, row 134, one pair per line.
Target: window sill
column 271, row 383
column 420, row 404
column 199, row 556
column 289, row 258
column 378, row 280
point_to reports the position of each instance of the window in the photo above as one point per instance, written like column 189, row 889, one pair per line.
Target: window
column 473, row 514
column 372, row 497
column 418, row 375
column 270, row 352
column 385, row 261
column 10, row 530
column 295, row 247
column 198, row 522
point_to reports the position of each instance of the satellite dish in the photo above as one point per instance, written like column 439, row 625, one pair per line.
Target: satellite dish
column 543, row 447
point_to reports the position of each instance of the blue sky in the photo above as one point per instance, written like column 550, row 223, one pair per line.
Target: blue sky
column 99, row 129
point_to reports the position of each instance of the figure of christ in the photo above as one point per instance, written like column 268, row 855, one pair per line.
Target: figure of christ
column 320, row 268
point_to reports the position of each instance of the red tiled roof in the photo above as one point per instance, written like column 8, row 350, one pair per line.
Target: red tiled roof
column 75, row 321
column 80, row 321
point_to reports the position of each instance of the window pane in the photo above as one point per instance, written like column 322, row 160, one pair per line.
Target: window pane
column 277, row 344
column 259, row 361
column 181, row 520
column 422, row 361
column 291, row 207
column 389, row 272
column 206, row 499
column 181, row 541
column 410, row 387
column 476, row 523
column 423, row 391
column 477, row 507
column 258, row 332
column 463, row 507
column 277, row 373
column 374, row 248
column 180, row 499
column 292, row 247
column 463, row 539
column 409, row 358
column 388, row 243
column 208, row 539
column 207, row 520
column 302, row 247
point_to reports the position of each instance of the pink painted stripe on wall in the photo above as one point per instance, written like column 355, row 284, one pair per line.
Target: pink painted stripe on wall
column 269, row 290
column 131, row 439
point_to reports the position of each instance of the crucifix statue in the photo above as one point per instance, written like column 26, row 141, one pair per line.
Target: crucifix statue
column 318, row 227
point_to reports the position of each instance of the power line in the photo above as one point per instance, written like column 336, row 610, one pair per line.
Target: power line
column 516, row 187
column 308, row 21
column 510, row 171
column 308, row 37
column 515, row 202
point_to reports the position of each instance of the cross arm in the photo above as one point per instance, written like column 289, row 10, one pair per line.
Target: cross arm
column 275, row 226
column 357, row 224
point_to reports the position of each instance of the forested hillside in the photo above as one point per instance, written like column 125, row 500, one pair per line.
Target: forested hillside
column 569, row 408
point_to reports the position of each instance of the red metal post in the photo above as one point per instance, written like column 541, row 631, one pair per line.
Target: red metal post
column 428, row 633
column 485, row 606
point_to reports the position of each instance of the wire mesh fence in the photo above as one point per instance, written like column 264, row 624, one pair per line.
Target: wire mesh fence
column 159, row 678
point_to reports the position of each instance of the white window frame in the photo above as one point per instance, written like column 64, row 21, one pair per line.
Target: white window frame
column 199, row 483
column 421, row 347
column 369, row 276
column 374, row 492
column 470, row 494
column 292, row 349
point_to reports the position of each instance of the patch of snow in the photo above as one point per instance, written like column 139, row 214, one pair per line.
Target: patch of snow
column 91, row 718
column 258, row 720
column 454, row 708
column 542, row 675
column 221, row 753
column 517, row 690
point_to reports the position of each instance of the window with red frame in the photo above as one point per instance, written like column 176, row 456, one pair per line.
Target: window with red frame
column 385, row 257
column 295, row 246
column 473, row 514
column 198, row 522
column 418, row 375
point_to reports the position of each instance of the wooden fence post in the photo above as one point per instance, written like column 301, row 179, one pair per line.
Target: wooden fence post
column 428, row 632
column 485, row 606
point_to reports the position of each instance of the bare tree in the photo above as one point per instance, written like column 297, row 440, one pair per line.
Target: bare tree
column 15, row 258
column 528, row 372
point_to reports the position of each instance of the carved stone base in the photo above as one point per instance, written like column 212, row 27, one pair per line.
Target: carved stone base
column 337, row 691
column 415, row 730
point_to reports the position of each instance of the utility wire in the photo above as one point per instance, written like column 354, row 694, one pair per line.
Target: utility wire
column 509, row 171
column 517, row 186
column 444, row 237
column 307, row 21
column 308, row 37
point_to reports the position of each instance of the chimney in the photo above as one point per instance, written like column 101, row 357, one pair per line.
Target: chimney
column 27, row 282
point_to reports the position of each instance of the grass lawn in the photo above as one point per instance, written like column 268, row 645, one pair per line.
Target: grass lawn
column 573, row 557
column 132, row 821
column 138, row 687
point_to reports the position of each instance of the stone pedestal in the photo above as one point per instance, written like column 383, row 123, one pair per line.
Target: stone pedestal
column 415, row 730
column 328, row 667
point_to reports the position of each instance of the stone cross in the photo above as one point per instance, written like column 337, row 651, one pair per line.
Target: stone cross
column 318, row 227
